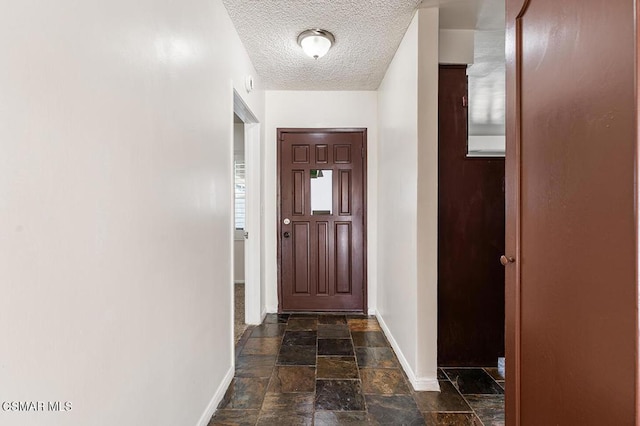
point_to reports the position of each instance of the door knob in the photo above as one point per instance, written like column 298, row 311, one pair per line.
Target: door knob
column 506, row 260
column 286, row 235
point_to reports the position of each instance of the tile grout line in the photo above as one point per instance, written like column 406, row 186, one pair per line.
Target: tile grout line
column 473, row 410
column 275, row 364
column 315, row 383
column 464, row 396
column 355, row 355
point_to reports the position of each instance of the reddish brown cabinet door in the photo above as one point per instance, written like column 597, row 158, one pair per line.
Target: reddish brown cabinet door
column 321, row 222
column 571, row 268
column 470, row 233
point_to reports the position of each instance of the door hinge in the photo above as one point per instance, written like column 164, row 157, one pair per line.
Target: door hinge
column 246, row 235
column 465, row 101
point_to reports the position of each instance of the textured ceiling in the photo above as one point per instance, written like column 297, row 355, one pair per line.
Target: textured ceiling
column 367, row 34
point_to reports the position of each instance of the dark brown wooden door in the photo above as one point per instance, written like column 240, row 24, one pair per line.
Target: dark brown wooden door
column 571, row 220
column 321, row 221
column 470, row 237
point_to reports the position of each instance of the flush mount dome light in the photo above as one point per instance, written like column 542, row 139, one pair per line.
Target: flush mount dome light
column 316, row 43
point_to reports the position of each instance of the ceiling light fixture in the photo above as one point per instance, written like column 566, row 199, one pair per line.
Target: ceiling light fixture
column 316, row 43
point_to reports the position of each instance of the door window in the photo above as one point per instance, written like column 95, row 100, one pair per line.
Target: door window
column 321, row 192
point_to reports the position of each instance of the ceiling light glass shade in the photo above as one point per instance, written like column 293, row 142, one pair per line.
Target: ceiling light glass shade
column 316, row 43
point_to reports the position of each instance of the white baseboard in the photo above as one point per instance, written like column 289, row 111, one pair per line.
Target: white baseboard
column 422, row 384
column 418, row 383
column 371, row 312
column 217, row 397
column 272, row 309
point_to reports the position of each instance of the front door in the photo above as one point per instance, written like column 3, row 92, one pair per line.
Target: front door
column 321, row 220
column 571, row 260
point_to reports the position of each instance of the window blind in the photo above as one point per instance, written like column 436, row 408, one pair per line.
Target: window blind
column 239, row 194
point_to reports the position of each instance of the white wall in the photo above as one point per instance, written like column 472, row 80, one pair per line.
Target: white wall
column 407, row 200
column 317, row 109
column 427, row 324
column 456, row 46
column 115, row 208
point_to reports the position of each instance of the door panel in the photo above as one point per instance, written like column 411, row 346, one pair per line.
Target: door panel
column 571, row 219
column 343, row 257
column 321, row 249
column 300, row 154
column 345, row 192
column 323, row 258
column 301, row 257
column 299, row 193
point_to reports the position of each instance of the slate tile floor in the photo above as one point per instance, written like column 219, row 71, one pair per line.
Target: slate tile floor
column 325, row 370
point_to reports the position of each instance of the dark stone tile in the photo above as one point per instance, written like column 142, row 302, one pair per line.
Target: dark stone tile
column 359, row 316
column 472, row 381
column 242, row 340
column 255, row 365
column 451, row 419
column 234, row 418
column 441, row 375
column 332, row 319
column 489, row 408
column 304, row 315
column 301, row 324
column 261, row 346
column 276, row 319
column 297, row 355
column 333, row 331
column 365, row 324
column 448, row 399
column 344, row 418
column 300, row 338
column 393, row 410
column 268, row 330
column 494, row 373
column 278, row 418
column 335, row 347
column 332, row 367
column 377, row 358
column 288, row 402
column 385, row 381
column 244, row 393
column 293, row 379
column 339, row 395
column 369, row 339
column 270, row 319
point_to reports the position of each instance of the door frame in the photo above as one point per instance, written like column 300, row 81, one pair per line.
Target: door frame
column 279, row 133
column 515, row 11
column 252, row 272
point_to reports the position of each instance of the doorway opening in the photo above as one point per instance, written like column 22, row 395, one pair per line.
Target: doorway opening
column 239, row 216
column 247, row 294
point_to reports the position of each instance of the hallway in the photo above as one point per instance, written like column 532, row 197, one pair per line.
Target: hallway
column 304, row 369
